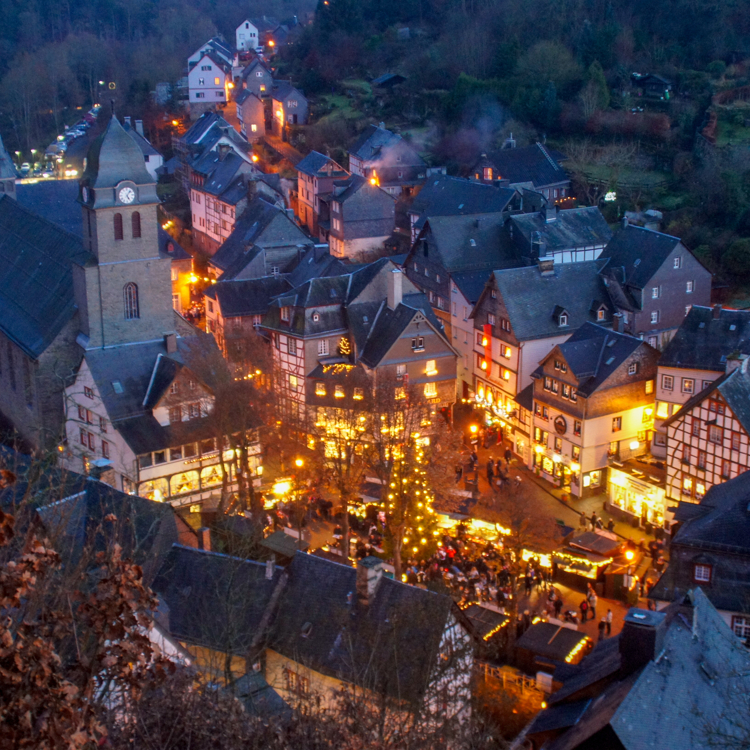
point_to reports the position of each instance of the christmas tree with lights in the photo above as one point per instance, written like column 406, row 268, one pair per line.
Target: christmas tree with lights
column 412, row 531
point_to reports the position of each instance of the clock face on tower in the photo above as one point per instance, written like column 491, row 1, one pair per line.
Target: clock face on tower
column 126, row 195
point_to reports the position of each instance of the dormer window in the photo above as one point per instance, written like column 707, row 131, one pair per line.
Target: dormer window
column 562, row 320
column 600, row 313
column 286, row 314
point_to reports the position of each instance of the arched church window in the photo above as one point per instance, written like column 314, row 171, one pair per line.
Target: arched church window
column 118, row 227
column 130, row 293
column 136, row 224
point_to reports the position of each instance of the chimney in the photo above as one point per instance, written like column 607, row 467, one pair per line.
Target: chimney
column 204, row 538
column 170, row 342
column 139, row 127
column 618, row 323
column 549, row 213
column 127, row 122
column 625, row 222
column 320, row 251
column 546, row 265
column 395, row 288
column 717, row 312
column 369, row 573
column 382, row 125
column 641, row 639
column 736, row 361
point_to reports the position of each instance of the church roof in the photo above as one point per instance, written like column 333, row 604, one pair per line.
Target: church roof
column 113, row 157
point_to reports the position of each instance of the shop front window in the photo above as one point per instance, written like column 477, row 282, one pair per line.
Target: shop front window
column 156, row 489
column 187, row 481
column 596, row 478
column 210, row 476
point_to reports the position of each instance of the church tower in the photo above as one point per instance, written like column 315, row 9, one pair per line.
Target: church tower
column 124, row 293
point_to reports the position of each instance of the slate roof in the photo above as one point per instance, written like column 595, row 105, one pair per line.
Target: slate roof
column 143, row 144
column 593, row 353
column 177, row 252
column 200, row 128
column 36, row 281
column 55, row 200
column 283, row 89
column 247, row 296
column 314, row 162
column 146, row 530
column 719, row 524
column 134, row 367
column 372, row 142
column 470, row 243
column 115, row 156
column 532, row 299
column 572, row 228
column 223, row 177
column 7, row 167
column 525, row 398
column 454, row 196
column 535, row 164
column 316, row 264
column 734, row 388
column 390, row 645
column 703, row 342
column 214, row 600
column 252, row 66
column 635, row 254
column 697, row 684
column 253, row 227
column 259, row 698
column 470, row 284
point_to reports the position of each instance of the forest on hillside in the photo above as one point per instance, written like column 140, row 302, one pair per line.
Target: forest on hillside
column 475, row 72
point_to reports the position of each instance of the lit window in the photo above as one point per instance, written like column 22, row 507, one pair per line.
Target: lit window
column 359, row 394
column 616, row 424
column 662, row 410
column 688, row 385
column 254, row 128
column 320, row 389
column 431, row 369
column 293, row 382
column 430, row 390
column 687, row 486
column 506, row 374
column 600, row 314
column 217, row 81
column 400, row 393
column 339, row 391
column 649, row 386
column 564, row 319
column 507, row 352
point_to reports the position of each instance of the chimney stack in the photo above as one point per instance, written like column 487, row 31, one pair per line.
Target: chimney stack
column 127, row 121
column 204, row 538
column 549, row 213
column 395, row 288
column 641, row 639
column 717, row 312
column 618, row 323
column 736, row 361
column 546, row 265
column 170, row 342
column 139, row 127
column 369, row 573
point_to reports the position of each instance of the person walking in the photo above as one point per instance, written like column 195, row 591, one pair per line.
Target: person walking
column 592, row 603
column 584, row 606
column 609, row 622
column 593, row 519
column 582, row 522
column 490, row 470
column 558, row 607
column 508, row 456
column 602, row 628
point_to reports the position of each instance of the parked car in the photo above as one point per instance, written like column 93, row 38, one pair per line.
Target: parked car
column 25, row 169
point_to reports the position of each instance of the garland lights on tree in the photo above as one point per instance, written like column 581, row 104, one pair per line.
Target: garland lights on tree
column 412, row 524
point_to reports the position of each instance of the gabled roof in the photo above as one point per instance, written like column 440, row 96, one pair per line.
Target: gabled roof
column 469, row 243
column 256, row 226
column 7, row 167
column 248, row 296
column 144, row 529
column 572, row 228
column 314, row 163
column 252, row 65
column 284, row 89
column 214, row 600
column 470, row 284
column 703, row 342
column 635, row 254
column 265, row 24
column 734, row 388
column 36, row 279
column 144, row 145
column 316, row 264
column 390, row 645
column 169, row 246
column 593, row 353
column 246, row 94
column 374, row 142
column 454, row 196
column 531, row 298
column 55, row 200
column 200, row 128
column 535, row 164
column 223, row 177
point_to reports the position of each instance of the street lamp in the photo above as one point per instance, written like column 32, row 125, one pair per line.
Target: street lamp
column 18, row 157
